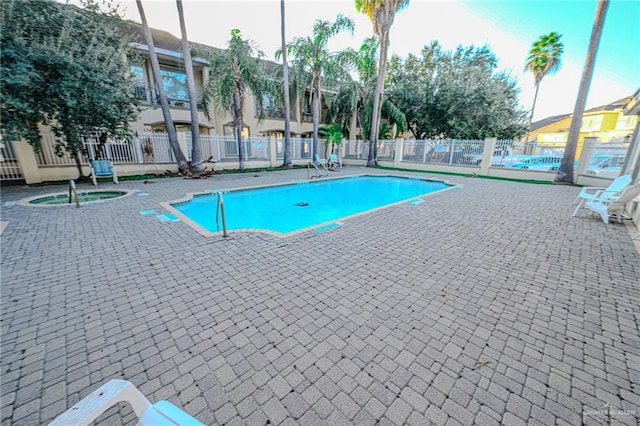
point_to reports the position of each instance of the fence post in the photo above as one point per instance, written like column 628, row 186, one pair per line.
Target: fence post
column 184, row 145
column 27, row 161
column 487, row 155
column 585, row 155
column 138, row 150
column 399, row 152
column 273, row 157
column 424, row 151
column 452, row 149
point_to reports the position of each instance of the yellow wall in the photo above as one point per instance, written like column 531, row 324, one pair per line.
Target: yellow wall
column 556, row 134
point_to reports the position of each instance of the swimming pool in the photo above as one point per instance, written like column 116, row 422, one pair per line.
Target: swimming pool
column 294, row 207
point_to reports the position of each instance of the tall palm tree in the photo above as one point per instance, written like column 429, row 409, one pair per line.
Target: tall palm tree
column 164, row 104
column 232, row 73
column 196, row 151
column 287, row 162
column 313, row 65
column 357, row 97
column 545, row 58
column 565, row 172
column 381, row 13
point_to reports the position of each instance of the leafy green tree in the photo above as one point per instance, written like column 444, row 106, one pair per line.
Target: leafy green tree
column 381, row 13
column 232, row 73
column 64, row 67
column 545, row 58
column 313, row 65
column 456, row 94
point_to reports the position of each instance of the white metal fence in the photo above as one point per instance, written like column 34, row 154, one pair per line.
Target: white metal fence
column 9, row 165
column 607, row 160
column 154, row 147
column 443, row 151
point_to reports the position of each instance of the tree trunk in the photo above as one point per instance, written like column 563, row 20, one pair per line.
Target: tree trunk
column 76, row 158
column 377, row 97
column 237, row 125
column 157, row 76
column 287, row 102
column 196, row 151
column 102, row 140
column 565, row 172
column 533, row 107
column 316, row 118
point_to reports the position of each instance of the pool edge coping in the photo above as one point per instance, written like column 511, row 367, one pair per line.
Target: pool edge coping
column 168, row 205
column 26, row 202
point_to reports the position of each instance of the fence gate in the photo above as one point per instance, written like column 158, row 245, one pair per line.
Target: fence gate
column 9, row 166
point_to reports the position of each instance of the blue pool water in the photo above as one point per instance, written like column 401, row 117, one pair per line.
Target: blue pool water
column 288, row 208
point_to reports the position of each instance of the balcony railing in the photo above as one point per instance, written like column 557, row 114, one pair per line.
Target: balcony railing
column 278, row 113
column 148, row 94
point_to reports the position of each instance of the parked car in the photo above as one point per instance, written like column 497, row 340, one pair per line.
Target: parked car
column 501, row 157
column 607, row 168
column 541, row 163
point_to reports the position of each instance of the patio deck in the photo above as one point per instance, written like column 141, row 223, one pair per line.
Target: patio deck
column 484, row 305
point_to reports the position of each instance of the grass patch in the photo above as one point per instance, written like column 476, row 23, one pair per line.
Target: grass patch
column 536, row 182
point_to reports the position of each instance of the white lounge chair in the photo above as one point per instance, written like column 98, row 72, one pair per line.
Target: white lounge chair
column 615, row 207
column 102, row 168
column 591, row 193
column 335, row 161
column 92, row 406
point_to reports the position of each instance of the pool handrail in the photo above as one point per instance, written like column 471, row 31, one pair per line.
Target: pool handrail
column 220, row 208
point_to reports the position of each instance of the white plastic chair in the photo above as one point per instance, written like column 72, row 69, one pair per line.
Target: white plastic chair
column 335, row 161
column 615, row 207
column 102, row 168
column 92, row 406
column 591, row 193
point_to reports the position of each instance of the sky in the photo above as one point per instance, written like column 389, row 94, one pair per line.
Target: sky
column 509, row 27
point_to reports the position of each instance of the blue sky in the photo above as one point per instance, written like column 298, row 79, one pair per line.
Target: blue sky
column 508, row 26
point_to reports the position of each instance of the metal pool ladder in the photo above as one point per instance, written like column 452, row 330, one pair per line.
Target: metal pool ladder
column 220, row 214
column 73, row 190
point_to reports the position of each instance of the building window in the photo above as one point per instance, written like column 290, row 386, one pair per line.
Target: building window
column 175, row 85
column 137, row 73
column 592, row 123
column 626, row 122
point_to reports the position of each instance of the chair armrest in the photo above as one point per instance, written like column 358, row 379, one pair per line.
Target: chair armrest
column 589, row 190
column 97, row 402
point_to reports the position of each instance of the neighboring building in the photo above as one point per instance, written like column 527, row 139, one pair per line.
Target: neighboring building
column 608, row 123
column 168, row 49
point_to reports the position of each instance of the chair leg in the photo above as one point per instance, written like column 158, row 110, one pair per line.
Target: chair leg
column 578, row 207
column 605, row 216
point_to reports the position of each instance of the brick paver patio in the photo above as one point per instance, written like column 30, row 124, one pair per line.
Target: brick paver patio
column 483, row 305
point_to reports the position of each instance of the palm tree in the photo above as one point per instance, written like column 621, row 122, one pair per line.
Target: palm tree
column 287, row 101
column 565, row 172
column 333, row 137
column 164, row 104
column 313, row 64
column 232, row 73
column 381, row 13
column 545, row 58
column 357, row 97
column 196, row 151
